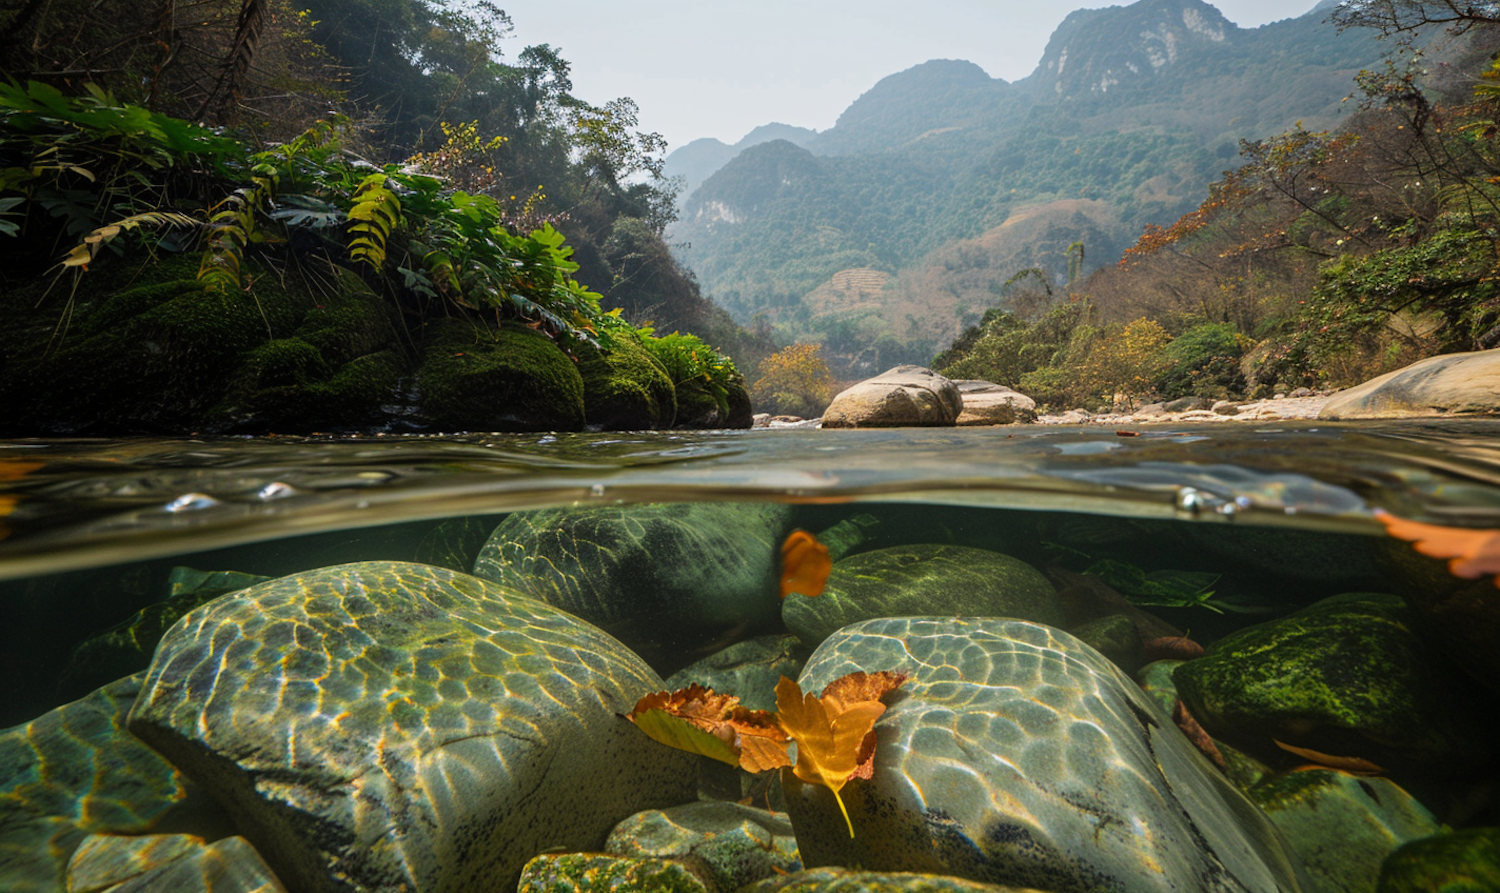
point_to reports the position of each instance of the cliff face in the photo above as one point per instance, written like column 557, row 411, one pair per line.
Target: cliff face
column 1095, row 51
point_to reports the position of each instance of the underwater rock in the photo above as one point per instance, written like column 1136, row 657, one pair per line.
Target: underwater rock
column 507, row 379
column 842, row 880
column 599, row 873
column 1346, row 676
column 179, row 863
column 455, row 542
column 748, row 670
column 126, row 647
column 923, row 579
column 674, row 582
column 70, row 773
column 1016, row 754
column 729, row 844
column 625, row 388
column 387, row 726
column 1115, row 637
column 1466, row 861
column 906, row 396
column 1156, row 682
column 987, row 403
column 1461, row 617
column 1342, row 826
column 1455, row 384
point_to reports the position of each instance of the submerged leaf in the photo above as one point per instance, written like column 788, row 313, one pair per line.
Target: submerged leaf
column 1351, row 765
column 805, row 565
column 1474, row 552
column 697, row 720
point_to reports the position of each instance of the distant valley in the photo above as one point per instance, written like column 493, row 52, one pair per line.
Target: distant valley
column 883, row 236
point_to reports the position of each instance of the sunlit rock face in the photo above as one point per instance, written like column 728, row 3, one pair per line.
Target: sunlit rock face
column 1016, row 754
column 388, row 726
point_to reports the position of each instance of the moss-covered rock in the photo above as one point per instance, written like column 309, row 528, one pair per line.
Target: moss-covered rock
column 697, row 407
column 1347, row 676
column 509, row 378
column 624, row 387
column 598, row 873
column 1465, row 861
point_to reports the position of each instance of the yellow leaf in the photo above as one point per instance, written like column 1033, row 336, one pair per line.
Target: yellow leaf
column 805, row 565
column 829, row 736
column 676, row 732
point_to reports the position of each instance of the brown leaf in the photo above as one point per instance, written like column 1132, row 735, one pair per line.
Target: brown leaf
column 1197, row 735
column 1474, row 553
column 1172, row 648
column 758, row 754
column 863, row 686
column 1351, row 765
column 805, row 565
column 741, row 730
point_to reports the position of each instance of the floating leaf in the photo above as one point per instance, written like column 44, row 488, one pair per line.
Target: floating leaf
column 1351, row 765
column 1474, row 552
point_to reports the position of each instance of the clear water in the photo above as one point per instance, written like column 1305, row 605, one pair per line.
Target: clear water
column 1280, row 515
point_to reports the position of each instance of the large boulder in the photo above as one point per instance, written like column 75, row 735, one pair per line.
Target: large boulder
column 73, row 772
column 1447, row 385
column 987, row 403
column 510, row 378
column 387, row 727
column 672, row 581
column 922, row 579
column 1348, row 676
column 1466, row 861
column 624, row 387
column 1015, row 754
column 906, row 396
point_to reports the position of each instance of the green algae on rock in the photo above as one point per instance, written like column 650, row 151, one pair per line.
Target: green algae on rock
column 600, row 873
column 1341, row 825
column 1466, row 861
column 1016, row 754
column 842, row 880
column 73, row 772
column 510, row 378
column 670, row 580
column 624, row 387
column 384, row 726
column 1347, row 676
column 923, row 579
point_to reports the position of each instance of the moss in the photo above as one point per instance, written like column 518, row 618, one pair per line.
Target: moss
column 625, row 388
column 598, row 873
column 1465, row 861
column 506, row 379
column 698, row 408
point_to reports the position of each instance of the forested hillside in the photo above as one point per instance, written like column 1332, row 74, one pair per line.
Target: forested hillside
column 952, row 182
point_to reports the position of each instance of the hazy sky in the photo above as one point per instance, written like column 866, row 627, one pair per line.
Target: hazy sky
column 715, row 68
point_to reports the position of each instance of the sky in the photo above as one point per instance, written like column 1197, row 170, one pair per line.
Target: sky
column 720, row 68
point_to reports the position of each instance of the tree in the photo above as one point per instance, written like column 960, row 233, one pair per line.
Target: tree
column 794, row 381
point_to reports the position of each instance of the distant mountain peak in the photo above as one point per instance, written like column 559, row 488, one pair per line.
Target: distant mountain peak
column 1096, row 50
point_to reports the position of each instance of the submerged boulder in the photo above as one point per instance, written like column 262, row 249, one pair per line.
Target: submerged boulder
column 1466, row 861
column 179, row 863
column 673, row 581
column 1015, row 754
column 73, row 772
column 1451, row 384
column 906, row 396
column 386, row 726
column 1348, row 676
column 731, row 844
column 923, row 579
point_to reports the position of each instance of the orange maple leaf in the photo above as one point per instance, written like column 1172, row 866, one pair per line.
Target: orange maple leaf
column 698, row 720
column 1474, row 553
column 831, row 731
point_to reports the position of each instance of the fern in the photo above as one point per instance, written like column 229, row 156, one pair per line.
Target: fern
column 376, row 215
column 232, row 227
column 83, row 253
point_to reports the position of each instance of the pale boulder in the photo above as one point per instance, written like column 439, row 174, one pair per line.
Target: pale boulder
column 906, row 396
column 987, row 403
column 1451, row 384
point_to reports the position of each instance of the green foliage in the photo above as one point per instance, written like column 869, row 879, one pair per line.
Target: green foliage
column 794, row 381
column 689, row 361
column 1166, row 588
column 1203, row 361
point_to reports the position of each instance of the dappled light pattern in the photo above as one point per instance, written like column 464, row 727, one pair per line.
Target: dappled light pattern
column 72, row 772
column 397, row 726
column 1017, row 754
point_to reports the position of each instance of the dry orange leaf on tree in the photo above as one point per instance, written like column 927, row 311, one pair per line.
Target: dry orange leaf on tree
column 697, row 720
column 832, row 731
column 805, row 565
column 1473, row 553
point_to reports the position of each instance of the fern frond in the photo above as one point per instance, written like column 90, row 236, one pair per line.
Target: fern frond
column 83, row 253
column 376, row 215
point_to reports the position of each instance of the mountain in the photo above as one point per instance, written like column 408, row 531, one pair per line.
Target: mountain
column 949, row 182
column 696, row 161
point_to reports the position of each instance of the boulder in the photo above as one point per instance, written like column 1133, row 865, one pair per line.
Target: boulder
column 387, row 726
column 1447, row 385
column 624, row 387
column 179, row 863
column 1015, row 754
column 749, row 670
column 842, row 880
column 987, row 403
column 1343, row 826
column 1462, row 614
column 922, row 579
column 674, row 581
column 1348, row 676
column 602, row 873
column 53, row 794
column 732, row 844
column 1466, row 861
column 906, row 396
column 509, row 378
